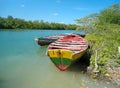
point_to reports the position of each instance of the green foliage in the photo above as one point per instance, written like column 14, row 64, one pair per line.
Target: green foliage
column 88, row 22
column 110, row 38
column 17, row 23
column 105, row 36
column 111, row 15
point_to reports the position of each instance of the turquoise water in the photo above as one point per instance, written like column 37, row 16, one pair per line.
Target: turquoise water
column 23, row 64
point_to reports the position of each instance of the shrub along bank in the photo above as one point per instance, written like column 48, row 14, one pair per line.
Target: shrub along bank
column 105, row 57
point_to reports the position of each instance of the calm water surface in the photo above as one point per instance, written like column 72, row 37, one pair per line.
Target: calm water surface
column 23, row 64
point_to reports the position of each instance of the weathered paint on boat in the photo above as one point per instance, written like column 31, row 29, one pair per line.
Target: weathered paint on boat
column 64, row 58
column 63, row 54
column 45, row 41
column 48, row 39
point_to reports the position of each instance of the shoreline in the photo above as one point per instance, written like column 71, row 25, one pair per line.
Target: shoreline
column 105, row 56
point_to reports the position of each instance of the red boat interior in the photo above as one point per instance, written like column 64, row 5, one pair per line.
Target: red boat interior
column 70, row 42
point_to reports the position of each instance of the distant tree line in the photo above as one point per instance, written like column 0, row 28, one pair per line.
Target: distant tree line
column 17, row 23
column 110, row 15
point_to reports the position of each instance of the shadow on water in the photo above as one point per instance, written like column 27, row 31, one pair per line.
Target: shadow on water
column 82, row 64
column 79, row 66
column 2, row 83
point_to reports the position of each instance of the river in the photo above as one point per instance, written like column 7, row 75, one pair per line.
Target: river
column 23, row 64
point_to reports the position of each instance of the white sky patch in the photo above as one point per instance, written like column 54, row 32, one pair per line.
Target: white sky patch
column 58, row 1
column 62, row 22
column 22, row 5
column 55, row 14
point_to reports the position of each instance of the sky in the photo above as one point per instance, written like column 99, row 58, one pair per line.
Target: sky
column 60, row 11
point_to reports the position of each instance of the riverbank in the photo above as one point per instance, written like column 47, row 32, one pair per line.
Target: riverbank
column 105, row 57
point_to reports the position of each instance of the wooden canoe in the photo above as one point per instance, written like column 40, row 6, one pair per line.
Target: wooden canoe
column 48, row 39
column 67, row 50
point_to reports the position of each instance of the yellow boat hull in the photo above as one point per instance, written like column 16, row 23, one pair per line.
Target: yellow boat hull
column 64, row 58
